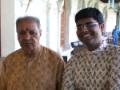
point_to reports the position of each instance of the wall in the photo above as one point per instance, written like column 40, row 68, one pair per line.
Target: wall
column 7, row 27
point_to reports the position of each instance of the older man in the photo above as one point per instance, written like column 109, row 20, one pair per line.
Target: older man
column 33, row 66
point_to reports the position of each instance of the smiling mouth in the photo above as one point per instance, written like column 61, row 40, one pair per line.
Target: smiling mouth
column 86, row 36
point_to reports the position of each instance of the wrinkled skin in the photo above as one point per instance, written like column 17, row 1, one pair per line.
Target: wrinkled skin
column 28, row 36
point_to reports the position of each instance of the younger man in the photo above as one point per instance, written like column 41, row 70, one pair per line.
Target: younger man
column 95, row 66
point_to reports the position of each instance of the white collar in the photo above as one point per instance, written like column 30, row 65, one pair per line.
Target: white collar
column 103, row 45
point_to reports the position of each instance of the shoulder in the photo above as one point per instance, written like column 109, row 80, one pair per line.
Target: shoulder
column 51, row 54
column 77, row 54
column 72, row 63
column 15, row 53
column 111, row 47
column 48, row 50
column 13, row 56
column 112, row 50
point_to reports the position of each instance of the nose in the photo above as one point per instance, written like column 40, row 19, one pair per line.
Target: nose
column 27, row 36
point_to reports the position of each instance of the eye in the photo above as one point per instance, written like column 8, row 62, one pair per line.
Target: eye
column 79, row 27
column 21, row 33
column 91, row 25
column 32, row 32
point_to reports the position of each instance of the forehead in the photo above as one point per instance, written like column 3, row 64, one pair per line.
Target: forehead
column 27, row 24
column 85, row 20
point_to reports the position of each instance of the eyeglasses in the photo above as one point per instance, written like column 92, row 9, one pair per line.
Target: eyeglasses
column 88, row 26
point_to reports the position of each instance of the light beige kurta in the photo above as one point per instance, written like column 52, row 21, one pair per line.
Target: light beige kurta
column 93, row 70
column 42, row 72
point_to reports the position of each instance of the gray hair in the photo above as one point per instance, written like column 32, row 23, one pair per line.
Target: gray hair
column 28, row 18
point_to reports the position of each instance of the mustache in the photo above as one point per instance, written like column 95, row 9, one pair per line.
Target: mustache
column 26, row 41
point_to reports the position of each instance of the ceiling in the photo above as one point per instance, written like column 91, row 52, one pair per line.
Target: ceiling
column 106, row 1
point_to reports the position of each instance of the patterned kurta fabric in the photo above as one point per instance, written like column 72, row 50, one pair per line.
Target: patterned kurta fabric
column 42, row 72
column 93, row 70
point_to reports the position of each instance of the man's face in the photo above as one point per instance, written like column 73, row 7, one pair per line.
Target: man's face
column 28, row 35
column 89, row 31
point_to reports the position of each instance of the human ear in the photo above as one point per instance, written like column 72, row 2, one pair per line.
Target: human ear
column 40, row 31
column 102, row 27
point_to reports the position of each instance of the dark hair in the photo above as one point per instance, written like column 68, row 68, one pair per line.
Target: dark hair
column 28, row 18
column 89, row 13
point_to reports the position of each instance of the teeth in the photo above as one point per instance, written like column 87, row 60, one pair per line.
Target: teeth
column 86, row 35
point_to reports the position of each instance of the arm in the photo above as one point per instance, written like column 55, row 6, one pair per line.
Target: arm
column 114, row 74
column 2, row 78
column 60, row 69
column 68, row 79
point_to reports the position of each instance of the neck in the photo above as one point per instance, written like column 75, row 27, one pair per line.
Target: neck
column 33, row 52
column 94, row 47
